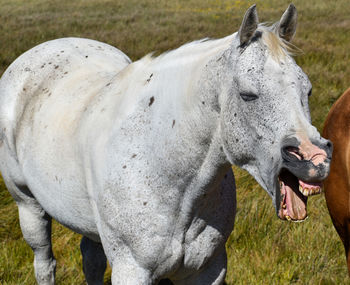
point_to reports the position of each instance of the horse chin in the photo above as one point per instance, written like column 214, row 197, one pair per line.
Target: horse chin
column 294, row 194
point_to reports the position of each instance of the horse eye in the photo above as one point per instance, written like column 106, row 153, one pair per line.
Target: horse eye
column 310, row 93
column 246, row 96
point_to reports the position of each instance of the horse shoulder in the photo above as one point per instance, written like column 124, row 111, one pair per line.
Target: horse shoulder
column 336, row 128
column 337, row 185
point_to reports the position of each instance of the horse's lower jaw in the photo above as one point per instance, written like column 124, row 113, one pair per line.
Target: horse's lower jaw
column 294, row 192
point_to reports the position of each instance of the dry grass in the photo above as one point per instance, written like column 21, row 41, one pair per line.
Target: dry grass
column 262, row 249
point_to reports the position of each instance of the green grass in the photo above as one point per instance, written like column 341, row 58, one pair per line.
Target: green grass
column 261, row 249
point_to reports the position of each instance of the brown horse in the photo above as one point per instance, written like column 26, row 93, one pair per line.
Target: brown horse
column 337, row 185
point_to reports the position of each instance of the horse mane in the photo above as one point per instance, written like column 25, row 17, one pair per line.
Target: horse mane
column 278, row 47
column 190, row 52
column 178, row 65
column 186, row 60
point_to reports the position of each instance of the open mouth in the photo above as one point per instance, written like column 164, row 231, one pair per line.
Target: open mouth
column 294, row 193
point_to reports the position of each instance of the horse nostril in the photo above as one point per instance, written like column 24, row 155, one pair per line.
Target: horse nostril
column 292, row 153
column 329, row 144
column 329, row 149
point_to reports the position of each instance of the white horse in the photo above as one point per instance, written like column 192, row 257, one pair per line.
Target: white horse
column 137, row 157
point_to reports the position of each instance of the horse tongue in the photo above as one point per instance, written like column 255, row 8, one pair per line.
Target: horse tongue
column 295, row 201
column 296, row 204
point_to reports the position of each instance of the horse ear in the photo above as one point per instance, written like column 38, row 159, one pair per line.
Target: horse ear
column 249, row 25
column 288, row 23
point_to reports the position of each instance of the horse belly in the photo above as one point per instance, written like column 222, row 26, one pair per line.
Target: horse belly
column 63, row 196
column 53, row 170
column 52, row 162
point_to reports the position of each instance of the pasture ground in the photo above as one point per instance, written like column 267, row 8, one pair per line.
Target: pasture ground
column 262, row 249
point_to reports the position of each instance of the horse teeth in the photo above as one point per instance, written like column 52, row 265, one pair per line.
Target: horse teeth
column 318, row 191
column 288, row 218
column 310, row 192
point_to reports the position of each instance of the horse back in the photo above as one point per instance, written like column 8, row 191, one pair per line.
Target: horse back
column 52, row 64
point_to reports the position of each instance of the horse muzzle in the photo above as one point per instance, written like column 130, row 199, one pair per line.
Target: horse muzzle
column 310, row 162
column 304, row 166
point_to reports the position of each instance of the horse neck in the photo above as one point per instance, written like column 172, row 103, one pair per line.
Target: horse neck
column 190, row 78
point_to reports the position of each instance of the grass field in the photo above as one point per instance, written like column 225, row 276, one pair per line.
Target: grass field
column 261, row 249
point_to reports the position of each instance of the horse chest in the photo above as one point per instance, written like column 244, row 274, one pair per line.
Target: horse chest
column 209, row 229
column 202, row 242
column 184, row 259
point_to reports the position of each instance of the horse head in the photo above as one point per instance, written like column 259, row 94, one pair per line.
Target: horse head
column 266, row 125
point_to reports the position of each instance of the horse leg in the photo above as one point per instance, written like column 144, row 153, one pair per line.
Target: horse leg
column 94, row 261
column 36, row 229
column 343, row 229
column 347, row 253
column 129, row 273
column 344, row 234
